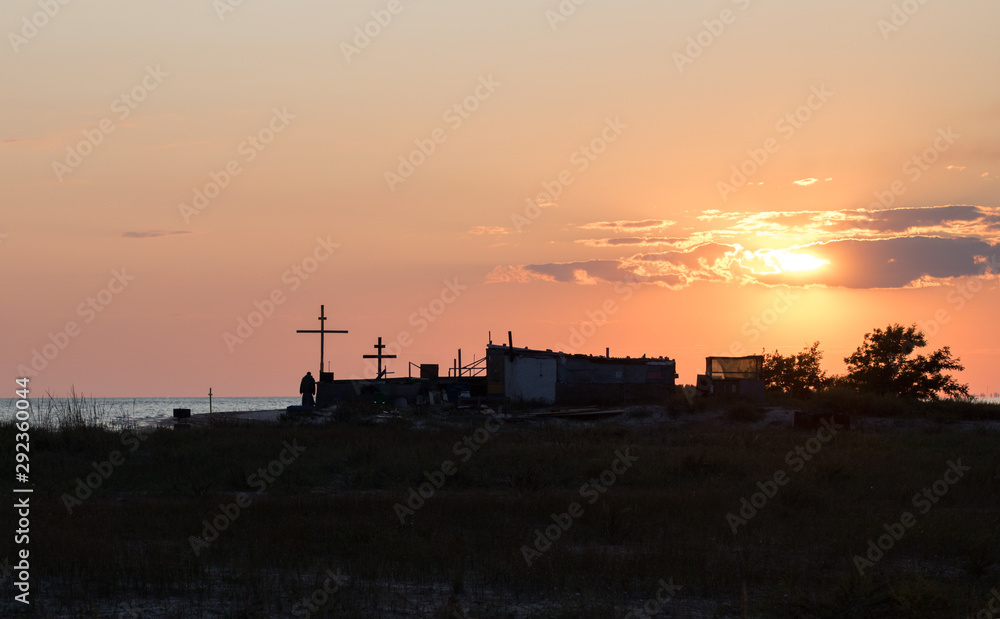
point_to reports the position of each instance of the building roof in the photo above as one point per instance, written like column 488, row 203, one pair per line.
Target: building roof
column 529, row 352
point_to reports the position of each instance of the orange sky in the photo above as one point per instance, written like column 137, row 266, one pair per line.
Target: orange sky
column 433, row 170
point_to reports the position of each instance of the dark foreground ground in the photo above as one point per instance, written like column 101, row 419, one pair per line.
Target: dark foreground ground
column 632, row 516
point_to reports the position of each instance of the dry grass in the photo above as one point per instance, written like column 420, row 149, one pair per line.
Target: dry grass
column 332, row 508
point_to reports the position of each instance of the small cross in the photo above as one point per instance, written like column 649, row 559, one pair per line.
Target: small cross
column 380, row 356
column 322, row 334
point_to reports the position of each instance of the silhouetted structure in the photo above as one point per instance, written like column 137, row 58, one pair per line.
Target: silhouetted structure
column 548, row 377
column 735, row 376
column 381, row 373
column 323, row 376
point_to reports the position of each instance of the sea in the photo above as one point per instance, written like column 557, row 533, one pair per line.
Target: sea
column 144, row 411
column 117, row 412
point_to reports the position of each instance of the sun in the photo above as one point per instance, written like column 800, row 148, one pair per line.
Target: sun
column 791, row 261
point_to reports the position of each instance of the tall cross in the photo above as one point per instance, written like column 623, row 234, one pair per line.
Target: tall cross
column 322, row 335
column 379, row 356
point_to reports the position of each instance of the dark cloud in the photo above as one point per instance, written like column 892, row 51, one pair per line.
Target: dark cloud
column 150, row 234
column 645, row 224
column 694, row 257
column 888, row 248
column 891, row 263
column 709, row 262
column 903, row 219
column 606, row 270
column 631, row 240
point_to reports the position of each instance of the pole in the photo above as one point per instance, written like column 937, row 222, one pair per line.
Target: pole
column 322, row 327
column 209, row 400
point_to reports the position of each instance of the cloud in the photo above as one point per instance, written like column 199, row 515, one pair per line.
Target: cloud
column 946, row 221
column 483, row 230
column 853, row 263
column 893, row 263
column 150, row 234
column 508, row 274
column 805, row 182
column 856, row 248
column 588, row 271
column 675, row 269
column 783, row 227
column 633, row 226
column 630, row 240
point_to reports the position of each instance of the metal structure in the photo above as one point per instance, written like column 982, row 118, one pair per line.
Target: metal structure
column 476, row 368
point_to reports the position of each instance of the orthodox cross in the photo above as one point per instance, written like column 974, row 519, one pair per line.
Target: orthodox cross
column 380, row 356
column 322, row 335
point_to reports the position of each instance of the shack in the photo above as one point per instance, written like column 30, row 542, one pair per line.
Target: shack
column 551, row 377
column 733, row 376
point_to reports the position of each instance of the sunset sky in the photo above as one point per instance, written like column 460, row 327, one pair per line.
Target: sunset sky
column 663, row 178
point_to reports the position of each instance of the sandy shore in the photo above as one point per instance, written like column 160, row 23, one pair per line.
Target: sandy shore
column 638, row 416
column 203, row 419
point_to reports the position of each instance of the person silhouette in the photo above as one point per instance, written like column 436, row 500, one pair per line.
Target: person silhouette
column 307, row 388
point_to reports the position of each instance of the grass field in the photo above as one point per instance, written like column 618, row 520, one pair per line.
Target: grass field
column 516, row 519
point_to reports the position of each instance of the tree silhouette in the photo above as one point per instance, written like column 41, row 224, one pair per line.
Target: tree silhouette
column 797, row 374
column 884, row 364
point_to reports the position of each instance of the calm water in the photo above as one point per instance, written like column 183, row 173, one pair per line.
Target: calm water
column 149, row 410
column 145, row 411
